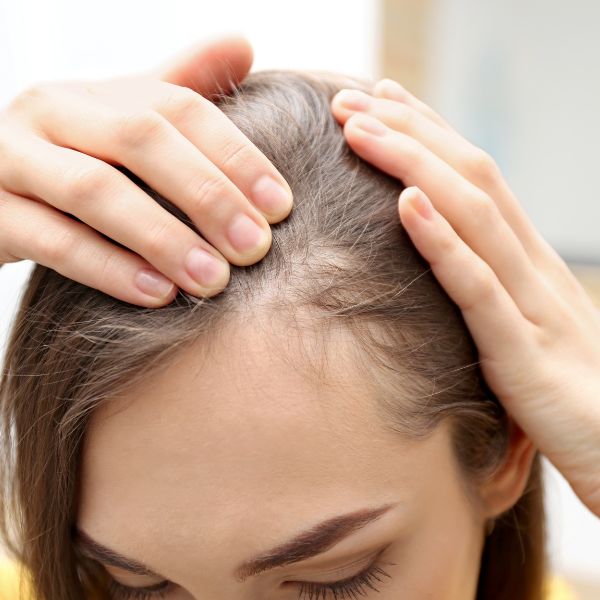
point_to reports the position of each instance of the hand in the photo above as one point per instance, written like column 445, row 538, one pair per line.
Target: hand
column 536, row 328
column 59, row 142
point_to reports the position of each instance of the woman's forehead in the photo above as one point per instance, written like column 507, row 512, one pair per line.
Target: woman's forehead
column 248, row 374
column 241, row 432
column 239, row 403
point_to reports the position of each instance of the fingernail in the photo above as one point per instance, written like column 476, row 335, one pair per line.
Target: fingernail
column 392, row 89
column 206, row 269
column 270, row 196
column 354, row 99
column 421, row 203
column 153, row 283
column 244, row 234
column 371, row 125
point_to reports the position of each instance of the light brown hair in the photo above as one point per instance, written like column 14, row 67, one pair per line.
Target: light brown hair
column 343, row 257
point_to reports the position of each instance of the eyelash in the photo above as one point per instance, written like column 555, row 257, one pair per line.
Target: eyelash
column 118, row 591
column 346, row 588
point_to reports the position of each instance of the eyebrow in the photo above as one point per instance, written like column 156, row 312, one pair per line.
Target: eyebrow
column 93, row 549
column 312, row 542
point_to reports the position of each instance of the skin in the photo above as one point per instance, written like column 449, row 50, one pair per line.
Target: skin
column 209, row 463
column 535, row 326
column 60, row 141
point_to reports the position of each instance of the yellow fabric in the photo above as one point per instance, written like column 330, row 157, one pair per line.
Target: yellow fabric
column 557, row 588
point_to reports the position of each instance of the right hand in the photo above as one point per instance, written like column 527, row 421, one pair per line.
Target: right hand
column 59, row 140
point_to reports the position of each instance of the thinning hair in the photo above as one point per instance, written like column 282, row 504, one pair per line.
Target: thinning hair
column 341, row 259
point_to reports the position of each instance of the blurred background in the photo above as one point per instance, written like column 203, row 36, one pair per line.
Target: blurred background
column 520, row 78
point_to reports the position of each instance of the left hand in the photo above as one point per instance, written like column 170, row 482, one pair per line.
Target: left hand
column 536, row 328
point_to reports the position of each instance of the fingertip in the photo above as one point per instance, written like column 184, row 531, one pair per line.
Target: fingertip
column 406, row 194
column 366, row 126
column 339, row 112
column 351, row 121
column 236, row 48
column 273, row 196
column 260, row 251
column 216, row 290
column 169, row 299
column 347, row 124
column 273, row 219
column 390, row 89
column 156, row 289
column 418, row 202
column 148, row 301
column 404, row 200
column 210, row 67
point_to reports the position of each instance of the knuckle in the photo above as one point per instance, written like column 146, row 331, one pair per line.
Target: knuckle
column 236, row 154
column 7, row 170
column 106, row 265
column 29, row 96
column 54, row 248
column 182, row 103
column 138, row 128
column 85, row 183
column 206, row 190
column 481, row 166
column 484, row 287
column 484, row 209
column 447, row 245
column 404, row 116
column 10, row 136
column 158, row 239
column 412, row 154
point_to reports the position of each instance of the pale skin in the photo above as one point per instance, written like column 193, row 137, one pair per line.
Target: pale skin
column 210, row 463
column 59, row 140
column 536, row 328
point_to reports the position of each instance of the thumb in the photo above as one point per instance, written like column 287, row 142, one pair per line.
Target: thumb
column 211, row 67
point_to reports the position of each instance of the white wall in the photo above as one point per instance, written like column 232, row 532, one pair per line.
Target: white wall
column 522, row 79
column 65, row 38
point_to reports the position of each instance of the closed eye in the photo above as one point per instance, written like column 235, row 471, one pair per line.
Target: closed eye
column 118, row 591
column 350, row 587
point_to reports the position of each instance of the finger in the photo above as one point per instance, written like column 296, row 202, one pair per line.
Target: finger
column 494, row 320
column 141, row 142
column 211, row 67
column 107, row 200
column 35, row 231
column 402, row 112
column 392, row 90
column 470, row 211
column 154, row 149
column 216, row 136
column 471, row 162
